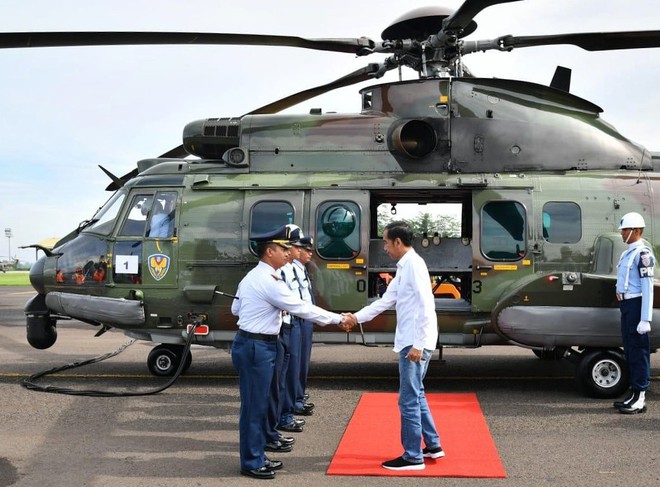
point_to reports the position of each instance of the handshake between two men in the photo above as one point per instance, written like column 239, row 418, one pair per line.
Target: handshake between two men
column 349, row 322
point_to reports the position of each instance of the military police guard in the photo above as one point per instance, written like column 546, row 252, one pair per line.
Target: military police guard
column 634, row 290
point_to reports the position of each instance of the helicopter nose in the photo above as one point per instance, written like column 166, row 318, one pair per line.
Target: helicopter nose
column 37, row 275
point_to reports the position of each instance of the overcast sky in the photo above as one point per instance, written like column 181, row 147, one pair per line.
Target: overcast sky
column 64, row 111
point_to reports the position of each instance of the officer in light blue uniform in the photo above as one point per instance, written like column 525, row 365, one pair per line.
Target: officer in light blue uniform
column 634, row 291
column 302, row 406
column 291, row 340
column 261, row 297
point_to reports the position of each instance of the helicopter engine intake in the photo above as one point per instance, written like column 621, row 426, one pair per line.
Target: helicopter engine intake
column 413, row 138
column 212, row 137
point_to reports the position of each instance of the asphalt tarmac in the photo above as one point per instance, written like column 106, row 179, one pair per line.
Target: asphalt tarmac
column 546, row 431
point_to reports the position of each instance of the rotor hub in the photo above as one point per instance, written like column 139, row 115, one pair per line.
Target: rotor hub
column 421, row 23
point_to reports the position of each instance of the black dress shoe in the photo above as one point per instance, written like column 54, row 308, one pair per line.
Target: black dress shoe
column 263, row 473
column 299, row 422
column 273, row 464
column 291, row 427
column 286, row 440
column 278, row 446
column 303, row 412
column 632, row 410
column 628, row 400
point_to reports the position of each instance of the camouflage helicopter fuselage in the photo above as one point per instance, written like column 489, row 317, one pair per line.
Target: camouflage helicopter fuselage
column 541, row 179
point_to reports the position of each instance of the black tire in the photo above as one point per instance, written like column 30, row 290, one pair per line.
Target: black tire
column 603, row 373
column 554, row 354
column 162, row 361
column 178, row 350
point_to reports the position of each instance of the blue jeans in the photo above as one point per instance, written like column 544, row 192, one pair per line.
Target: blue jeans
column 416, row 419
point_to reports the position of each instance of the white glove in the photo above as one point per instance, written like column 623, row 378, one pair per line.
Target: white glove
column 643, row 327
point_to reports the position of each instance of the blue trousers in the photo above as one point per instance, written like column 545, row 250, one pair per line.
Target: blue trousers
column 254, row 360
column 636, row 347
column 290, row 338
column 275, row 401
column 306, row 333
column 416, row 419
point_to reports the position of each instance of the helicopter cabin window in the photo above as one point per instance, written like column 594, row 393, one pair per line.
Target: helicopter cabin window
column 268, row 216
column 562, row 222
column 503, row 225
column 338, row 230
column 161, row 222
column 104, row 220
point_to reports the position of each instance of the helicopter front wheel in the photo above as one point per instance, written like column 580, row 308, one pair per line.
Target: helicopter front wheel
column 164, row 359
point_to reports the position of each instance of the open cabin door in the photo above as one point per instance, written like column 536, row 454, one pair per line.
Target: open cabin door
column 339, row 221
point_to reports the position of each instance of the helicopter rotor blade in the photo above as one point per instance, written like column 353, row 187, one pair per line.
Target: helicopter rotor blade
column 593, row 41
column 177, row 153
column 116, row 184
column 373, row 70
column 589, row 41
column 11, row 40
column 462, row 17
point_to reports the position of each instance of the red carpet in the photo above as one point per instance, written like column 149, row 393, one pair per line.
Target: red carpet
column 373, row 436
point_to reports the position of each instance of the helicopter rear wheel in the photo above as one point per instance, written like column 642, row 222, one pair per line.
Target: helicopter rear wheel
column 164, row 360
column 603, row 373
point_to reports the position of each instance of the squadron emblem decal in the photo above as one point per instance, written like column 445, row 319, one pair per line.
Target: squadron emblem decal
column 159, row 264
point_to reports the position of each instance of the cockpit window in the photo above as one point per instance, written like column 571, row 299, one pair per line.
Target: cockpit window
column 137, row 216
column 161, row 223
column 104, row 220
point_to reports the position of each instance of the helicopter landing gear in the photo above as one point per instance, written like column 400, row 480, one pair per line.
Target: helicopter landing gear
column 556, row 353
column 602, row 373
column 164, row 359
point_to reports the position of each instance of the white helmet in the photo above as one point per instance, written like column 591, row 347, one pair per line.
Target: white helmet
column 631, row 220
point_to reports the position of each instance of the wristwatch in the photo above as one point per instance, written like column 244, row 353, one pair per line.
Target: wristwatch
column 342, row 319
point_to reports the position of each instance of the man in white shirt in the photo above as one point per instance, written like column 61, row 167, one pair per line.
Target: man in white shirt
column 415, row 339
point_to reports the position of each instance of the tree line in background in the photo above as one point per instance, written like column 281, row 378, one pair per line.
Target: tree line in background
column 423, row 223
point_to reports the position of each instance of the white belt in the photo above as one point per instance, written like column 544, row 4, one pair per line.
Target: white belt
column 630, row 295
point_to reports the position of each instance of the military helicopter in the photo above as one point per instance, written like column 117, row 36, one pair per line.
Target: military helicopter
column 540, row 180
column 8, row 265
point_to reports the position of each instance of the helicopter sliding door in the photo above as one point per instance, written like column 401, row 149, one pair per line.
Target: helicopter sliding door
column 340, row 226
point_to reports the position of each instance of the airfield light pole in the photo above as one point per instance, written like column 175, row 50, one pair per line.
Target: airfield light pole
column 8, row 235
